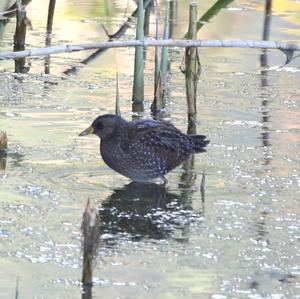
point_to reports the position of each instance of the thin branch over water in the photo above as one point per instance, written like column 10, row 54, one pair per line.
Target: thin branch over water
column 152, row 42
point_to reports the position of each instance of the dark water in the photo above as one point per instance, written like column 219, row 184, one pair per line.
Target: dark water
column 241, row 241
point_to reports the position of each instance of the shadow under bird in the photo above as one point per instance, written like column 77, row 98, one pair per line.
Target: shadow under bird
column 143, row 150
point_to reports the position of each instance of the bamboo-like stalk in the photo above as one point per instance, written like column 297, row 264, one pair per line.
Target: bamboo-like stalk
column 107, row 8
column 157, row 62
column 251, row 44
column 159, row 102
column 165, row 54
column 192, row 71
column 138, row 82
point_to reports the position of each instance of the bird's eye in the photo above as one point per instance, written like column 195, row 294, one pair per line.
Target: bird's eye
column 99, row 126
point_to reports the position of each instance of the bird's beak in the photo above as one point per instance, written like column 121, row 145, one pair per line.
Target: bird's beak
column 89, row 130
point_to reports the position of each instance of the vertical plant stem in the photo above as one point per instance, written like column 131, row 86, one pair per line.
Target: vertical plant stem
column 138, row 83
column 172, row 17
column 3, row 150
column 51, row 9
column 90, row 227
column 20, row 35
column 117, row 108
column 165, row 51
column 157, row 62
column 148, row 11
column 192, row 71
column 265, row 111
column 159, row 102
column 17, row 289
column 202, row 186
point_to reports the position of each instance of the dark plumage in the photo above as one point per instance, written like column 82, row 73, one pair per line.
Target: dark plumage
column 143, row 150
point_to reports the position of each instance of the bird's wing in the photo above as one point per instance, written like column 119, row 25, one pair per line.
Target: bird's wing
column 160, row 134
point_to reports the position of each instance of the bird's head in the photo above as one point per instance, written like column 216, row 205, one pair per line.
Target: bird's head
column 104, row 126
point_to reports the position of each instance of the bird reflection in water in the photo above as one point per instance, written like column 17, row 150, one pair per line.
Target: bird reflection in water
column 139, row 211
column 135, row 212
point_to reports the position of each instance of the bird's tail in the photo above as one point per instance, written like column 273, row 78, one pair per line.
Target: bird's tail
column 199, row 143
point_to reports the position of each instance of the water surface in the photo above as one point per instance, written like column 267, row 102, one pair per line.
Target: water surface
column 241, row 241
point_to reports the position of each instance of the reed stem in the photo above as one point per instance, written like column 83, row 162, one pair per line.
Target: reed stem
column 138, row 82
column 192, row 71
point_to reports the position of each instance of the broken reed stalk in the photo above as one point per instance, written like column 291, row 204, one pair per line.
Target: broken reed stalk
column 90, row 242
column 51, row 9
column 3, row 141
column 192, row 71
column 138, row 82
column 3, row 150
column 202, row 186
column 20, row 36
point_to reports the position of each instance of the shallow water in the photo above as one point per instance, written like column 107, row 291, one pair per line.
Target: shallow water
column 240, row 241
